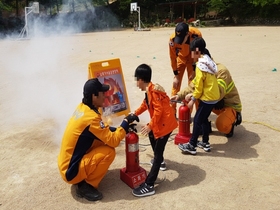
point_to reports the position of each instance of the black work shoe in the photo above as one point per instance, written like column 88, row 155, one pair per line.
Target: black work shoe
column 230, row 134
column 238, row 118
column 85, row 190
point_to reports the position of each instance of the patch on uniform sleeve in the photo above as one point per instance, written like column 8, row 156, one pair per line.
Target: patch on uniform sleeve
column 102, row 124
column 171, row 43
column 77, row 114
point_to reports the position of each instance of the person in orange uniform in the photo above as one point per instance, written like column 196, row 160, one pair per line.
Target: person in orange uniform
column 160, row 126
column 88, row 144
column 180, row 56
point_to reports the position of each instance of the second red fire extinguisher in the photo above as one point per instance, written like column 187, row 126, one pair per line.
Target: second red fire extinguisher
column 184, row 134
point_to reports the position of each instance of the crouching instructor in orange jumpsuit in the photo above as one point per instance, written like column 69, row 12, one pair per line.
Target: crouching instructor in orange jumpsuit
column 88, row 144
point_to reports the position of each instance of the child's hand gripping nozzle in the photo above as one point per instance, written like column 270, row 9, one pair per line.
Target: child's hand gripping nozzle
column 133, row 175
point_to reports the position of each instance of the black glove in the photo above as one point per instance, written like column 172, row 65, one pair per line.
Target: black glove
column 238, row 118
column 220, row 105
column 131, row 117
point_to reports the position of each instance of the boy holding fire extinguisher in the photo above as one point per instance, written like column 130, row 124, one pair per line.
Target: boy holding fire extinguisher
column 161, row 124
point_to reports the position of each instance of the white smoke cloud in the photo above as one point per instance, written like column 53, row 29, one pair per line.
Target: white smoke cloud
column 42, row 79
column 37, row 84
column 42, row 74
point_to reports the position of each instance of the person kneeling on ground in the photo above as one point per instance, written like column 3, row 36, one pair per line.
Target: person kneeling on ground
column 88, row 145
column 229, row 106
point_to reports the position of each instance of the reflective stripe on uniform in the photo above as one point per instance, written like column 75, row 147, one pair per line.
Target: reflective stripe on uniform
column 222, row 83
column 237, row 107
column 230, row 87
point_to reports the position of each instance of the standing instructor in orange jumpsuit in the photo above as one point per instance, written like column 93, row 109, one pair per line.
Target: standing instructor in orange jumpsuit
column 180, row 56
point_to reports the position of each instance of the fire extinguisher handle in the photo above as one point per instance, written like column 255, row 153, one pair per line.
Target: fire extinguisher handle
column 132, row 127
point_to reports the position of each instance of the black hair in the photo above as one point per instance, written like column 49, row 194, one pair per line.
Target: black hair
column 87, row 99
column 199, row 43
column 143, row 72
column 206, row 51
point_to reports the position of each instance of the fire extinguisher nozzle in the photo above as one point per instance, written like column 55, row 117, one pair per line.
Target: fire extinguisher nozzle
column 174, row 101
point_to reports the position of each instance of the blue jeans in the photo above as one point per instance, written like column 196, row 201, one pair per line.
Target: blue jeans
column 201, row 122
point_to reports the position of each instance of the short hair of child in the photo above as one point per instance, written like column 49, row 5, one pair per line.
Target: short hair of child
column 143, row 72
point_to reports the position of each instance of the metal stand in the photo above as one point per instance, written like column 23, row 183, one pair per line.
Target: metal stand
column 134, row 7
column 139, row 21
column 34, row 9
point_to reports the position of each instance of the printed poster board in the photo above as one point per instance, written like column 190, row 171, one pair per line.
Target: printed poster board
column 110, row 73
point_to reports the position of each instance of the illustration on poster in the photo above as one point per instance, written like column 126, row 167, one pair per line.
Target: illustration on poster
column 114, row 97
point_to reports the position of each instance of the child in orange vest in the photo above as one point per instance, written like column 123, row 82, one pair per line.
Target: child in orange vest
column 161, row 124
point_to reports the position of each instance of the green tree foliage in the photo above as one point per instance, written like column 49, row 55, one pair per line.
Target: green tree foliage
column 122, row 8
column 152, row 11
column 100, row 2
column 240, row 9
column 4, row 6
column 265, row 2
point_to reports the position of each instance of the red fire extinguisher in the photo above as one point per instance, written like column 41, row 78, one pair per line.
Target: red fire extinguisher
column 133, row 174
column 132, row 151
column 184, row 134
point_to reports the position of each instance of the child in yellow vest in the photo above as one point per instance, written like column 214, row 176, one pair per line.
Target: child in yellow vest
column 206, row 90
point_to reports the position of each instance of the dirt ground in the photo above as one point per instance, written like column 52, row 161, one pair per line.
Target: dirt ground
column 41, row 83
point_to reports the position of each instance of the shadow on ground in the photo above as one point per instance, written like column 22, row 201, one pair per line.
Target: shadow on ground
column 239, row 146
column 113, row 188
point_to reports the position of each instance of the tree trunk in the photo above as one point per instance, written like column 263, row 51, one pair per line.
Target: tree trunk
column 50, row 7
column 57, row 6
column 73, row 5
column 17, row 9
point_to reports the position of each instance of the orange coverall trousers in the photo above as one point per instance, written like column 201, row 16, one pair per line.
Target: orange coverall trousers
column 225, row 119
column 94, row 165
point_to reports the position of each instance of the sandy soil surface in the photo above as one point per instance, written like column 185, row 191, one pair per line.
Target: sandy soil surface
column 41, row 83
